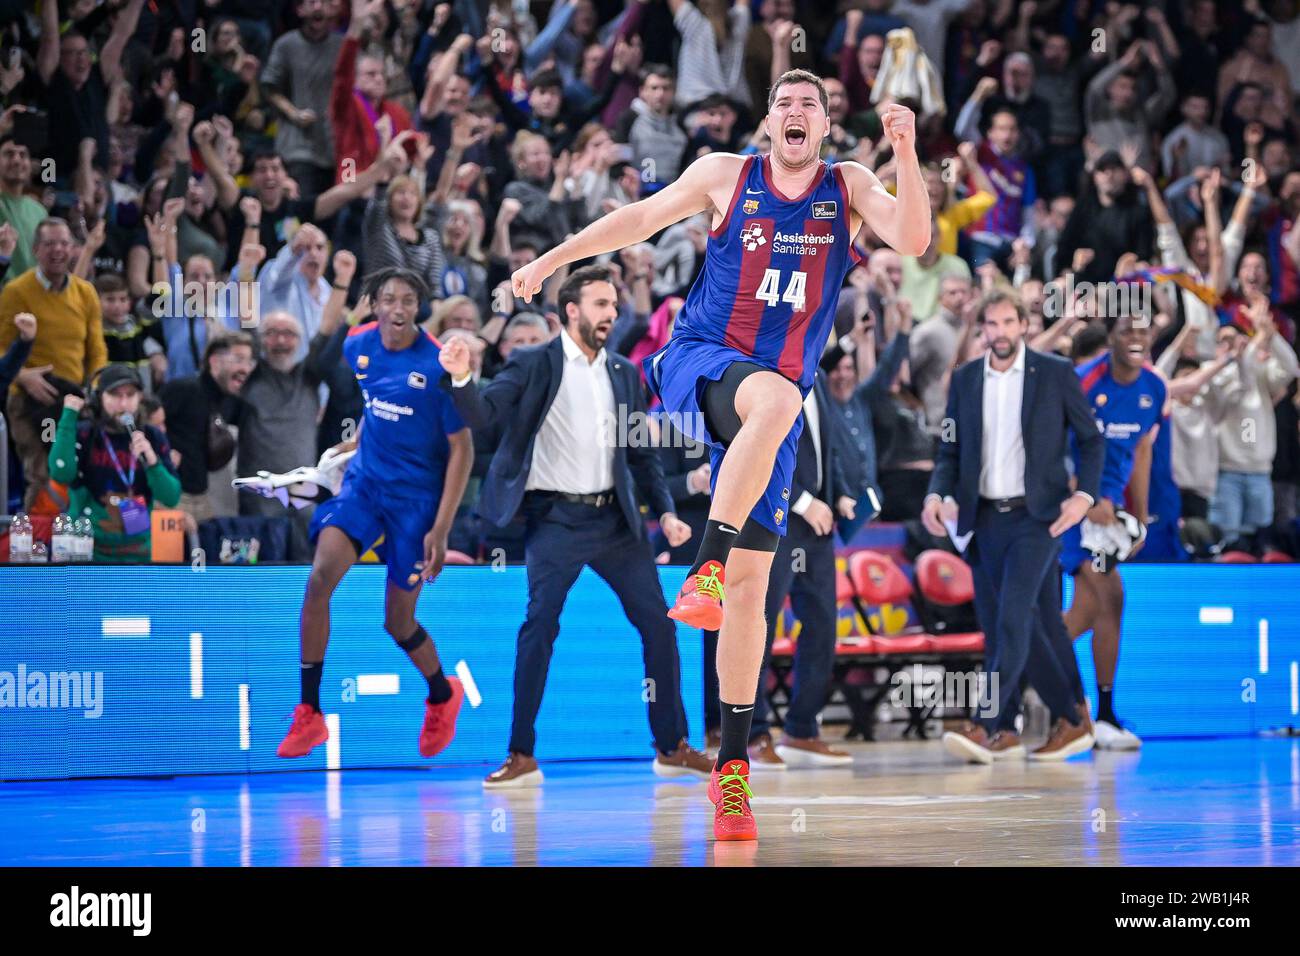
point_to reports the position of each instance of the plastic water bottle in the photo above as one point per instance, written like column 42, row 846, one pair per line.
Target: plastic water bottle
column 40, row 555
column 20, row 539
column 63, row 542
column 84, row 533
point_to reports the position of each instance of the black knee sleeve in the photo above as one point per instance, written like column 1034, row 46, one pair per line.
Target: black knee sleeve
column 754, row 537
column 719, row 404
column 414, row 642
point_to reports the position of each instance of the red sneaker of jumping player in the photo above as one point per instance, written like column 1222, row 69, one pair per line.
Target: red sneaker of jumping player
column 440, row 721
column 307, row 732
column 699, row 603
column 730, row 793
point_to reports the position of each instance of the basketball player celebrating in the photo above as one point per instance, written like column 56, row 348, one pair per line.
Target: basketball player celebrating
column 1128, row 400
column 404, row 484
column 743, row 354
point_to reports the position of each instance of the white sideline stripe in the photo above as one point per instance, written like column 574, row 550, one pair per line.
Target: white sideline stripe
column 124, row 627
column 471, row 688
column 244, row 723
column 196, row 666
column 1263, row 645
column 332, row 745
column 373, row 684
column 1295, row 688
column 1216, row 615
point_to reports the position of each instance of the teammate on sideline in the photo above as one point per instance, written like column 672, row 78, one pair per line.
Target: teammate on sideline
column 744, row 351
column 1128, row 400
column 404, row 484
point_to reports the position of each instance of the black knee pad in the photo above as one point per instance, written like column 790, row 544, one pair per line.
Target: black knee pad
column 755, row 537
column 719, row 404
column 415, row 641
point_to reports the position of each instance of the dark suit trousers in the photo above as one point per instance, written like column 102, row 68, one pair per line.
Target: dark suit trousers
column 812, row 595
column 1012, row 556
column 561, row 538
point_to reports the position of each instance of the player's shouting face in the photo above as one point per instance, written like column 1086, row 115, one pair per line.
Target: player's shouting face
column 396, row 307
column 797, row 123
column 1130, row 341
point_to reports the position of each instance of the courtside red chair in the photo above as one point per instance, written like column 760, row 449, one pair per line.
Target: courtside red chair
column 877, row 580
column 945, row 580
column 1277, row 557
column 1238, row 557
column 458, row 557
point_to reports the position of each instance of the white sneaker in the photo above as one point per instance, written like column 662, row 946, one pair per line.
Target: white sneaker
column 1110, row 737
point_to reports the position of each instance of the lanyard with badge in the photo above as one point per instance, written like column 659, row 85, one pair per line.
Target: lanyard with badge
column 134, row 511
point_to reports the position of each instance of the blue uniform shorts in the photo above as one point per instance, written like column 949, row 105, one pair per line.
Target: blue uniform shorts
column 678, row 373
column 393, row 527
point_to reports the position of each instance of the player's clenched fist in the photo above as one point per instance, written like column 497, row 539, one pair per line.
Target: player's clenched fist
column 345, row 267
column 455, row 358
column 527, row 281
column 899, row 124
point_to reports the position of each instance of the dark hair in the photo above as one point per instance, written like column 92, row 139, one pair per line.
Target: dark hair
column 547, row 80
column 799, row 76
column 223, row 342
column 262, row 153
column 109, row 283
column 571, row 291
column 9, row 137
column 997, row 297
column 1185, row 364
column 1090, row 338
column 148, row 405
column 661, row 70
column 381, row 277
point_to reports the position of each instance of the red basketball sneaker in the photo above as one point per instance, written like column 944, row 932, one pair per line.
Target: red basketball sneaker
column 730, row 793
column 699, row 603
column 440, row 721
column 307, row 732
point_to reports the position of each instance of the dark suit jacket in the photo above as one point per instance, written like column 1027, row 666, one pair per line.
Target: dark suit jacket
column 517, row 401
column 1052, row 404
column 833, row 483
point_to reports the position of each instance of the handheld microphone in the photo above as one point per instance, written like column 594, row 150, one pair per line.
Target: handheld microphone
column 128, row 422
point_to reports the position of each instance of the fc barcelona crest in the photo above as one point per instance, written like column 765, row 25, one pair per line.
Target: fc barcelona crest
column 750, row 207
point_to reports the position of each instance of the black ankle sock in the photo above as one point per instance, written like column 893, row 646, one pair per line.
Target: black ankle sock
column 311, row 674
column 439, row 689
column 736, row 721
column 1106, row 705
column 715, row 544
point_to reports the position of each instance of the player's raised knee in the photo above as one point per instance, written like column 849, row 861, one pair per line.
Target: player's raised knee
column 769, row 399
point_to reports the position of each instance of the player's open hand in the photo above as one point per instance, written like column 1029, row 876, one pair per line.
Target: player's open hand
column 455, row 357
column 527, row 281
column 435, row 554
column 677, row 531
column 899, row 124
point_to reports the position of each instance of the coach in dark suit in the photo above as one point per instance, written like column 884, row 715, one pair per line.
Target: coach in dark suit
column 570, row 463
column 1001, row 473
column 804, row 570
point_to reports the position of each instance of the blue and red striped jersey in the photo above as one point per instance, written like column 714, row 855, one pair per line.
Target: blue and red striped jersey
column 772, row 272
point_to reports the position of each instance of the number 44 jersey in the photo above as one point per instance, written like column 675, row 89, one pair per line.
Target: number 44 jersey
column 773, row 270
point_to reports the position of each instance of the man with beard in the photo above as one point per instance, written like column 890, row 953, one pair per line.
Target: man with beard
column 562, row 468
column 744, row 351
column 199, row 409
column 17, row 208
column 1000, row 474
column 399, row 496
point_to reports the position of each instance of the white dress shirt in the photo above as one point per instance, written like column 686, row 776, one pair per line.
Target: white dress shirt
column 574, row 450
column 1002, row 446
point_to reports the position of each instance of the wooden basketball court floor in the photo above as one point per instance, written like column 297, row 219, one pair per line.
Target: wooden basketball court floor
column 1232, row 802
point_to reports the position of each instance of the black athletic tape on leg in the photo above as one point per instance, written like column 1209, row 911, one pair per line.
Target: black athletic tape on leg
column 415, row 641
column 755, row 537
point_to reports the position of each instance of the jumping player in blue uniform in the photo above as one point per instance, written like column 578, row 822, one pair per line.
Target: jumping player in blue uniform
column 399, row 496
column 1128, row 400
column 743, row 354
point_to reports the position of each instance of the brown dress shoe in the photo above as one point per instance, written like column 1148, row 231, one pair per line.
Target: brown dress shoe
column 1067, row 740
column 969, row 742
column 763, row 756
column 519, row 772
column 682, row 762
column 811, row 752
column 1006, row 745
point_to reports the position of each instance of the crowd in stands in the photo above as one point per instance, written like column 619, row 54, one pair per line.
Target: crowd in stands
column 192, row 190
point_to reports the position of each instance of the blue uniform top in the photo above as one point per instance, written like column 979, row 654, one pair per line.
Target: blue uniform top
column 403, row 448
column 1124, row 414
column 1165, row 501
column 772, row 272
